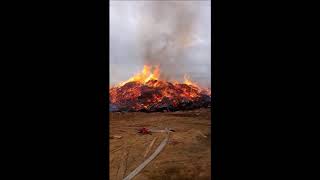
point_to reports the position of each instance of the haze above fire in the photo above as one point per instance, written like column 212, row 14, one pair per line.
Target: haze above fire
column 174, row 35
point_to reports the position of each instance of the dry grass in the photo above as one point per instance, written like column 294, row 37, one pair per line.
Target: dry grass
column 186, row 156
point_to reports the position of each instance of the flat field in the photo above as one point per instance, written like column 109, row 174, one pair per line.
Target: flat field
column 186, row 156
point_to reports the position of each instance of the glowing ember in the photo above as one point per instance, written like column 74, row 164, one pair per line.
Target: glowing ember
column 145, row 92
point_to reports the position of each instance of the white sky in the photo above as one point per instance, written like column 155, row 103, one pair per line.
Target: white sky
column 125, row 57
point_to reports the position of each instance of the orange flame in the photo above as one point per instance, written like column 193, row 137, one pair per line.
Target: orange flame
column 150, row 91
column 188, row 81
column 153, row 73
column 145, row 75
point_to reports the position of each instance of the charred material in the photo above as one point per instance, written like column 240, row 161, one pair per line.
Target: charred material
column 157, row 96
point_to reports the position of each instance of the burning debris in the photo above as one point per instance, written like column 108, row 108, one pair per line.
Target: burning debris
column 166, row 35
column 146, row 93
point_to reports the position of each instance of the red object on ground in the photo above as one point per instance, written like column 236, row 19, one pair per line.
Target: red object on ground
column 144, row 131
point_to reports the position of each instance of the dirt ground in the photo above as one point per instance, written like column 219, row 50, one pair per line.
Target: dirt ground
column 186, row 156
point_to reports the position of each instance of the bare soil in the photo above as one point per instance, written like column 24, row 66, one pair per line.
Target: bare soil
column 186, row 156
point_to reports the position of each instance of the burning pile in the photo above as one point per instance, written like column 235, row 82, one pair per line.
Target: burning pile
column 145, row 92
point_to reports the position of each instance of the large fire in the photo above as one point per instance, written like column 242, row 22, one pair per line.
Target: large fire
column 146, row 92
column 146, row 75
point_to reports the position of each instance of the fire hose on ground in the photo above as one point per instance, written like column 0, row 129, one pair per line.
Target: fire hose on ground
column 156, row 152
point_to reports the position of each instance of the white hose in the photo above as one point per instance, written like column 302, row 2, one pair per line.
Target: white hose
column 147, row 161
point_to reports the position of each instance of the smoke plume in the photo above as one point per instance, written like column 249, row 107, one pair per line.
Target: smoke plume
column 172, row 34
column 165, row 35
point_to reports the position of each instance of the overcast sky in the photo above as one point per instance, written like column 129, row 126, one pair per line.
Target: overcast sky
column 126, row 57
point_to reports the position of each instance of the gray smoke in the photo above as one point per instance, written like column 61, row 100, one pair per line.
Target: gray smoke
column 165, row 34
column 172, row 34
